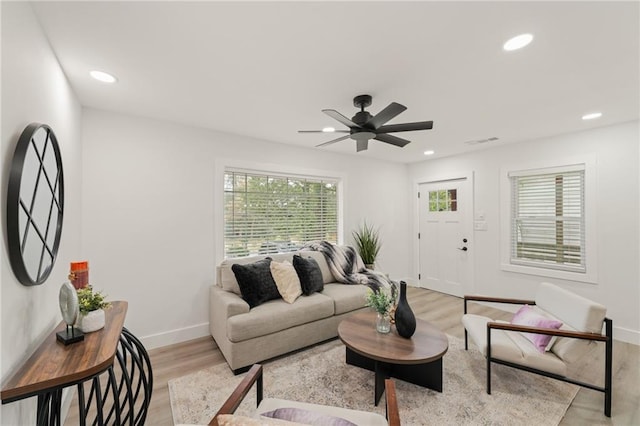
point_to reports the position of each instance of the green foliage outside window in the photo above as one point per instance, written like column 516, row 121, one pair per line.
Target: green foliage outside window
column 267, row 214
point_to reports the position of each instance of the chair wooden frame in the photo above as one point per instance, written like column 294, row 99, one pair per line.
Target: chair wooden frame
column 607, row 338
column 254, row 376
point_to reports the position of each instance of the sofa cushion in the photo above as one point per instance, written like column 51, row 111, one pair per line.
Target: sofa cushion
column 346, row 297
column 278, row 315
column 309, row 274
column 327, row 275
column 575, row 311
column 532, row 357
column 510, row 346
column 287, row 281
column 256, row 283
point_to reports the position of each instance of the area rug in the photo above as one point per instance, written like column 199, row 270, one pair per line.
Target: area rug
column 320, row 375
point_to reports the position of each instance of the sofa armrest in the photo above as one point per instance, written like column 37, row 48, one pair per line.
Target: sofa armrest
column 226, row 303
column 393, row 414
column 496, row 300
column 548, row 331
column 254, row 376
column 222, row 306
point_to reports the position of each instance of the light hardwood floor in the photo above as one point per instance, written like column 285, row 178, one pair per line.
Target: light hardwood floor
column 445, row 312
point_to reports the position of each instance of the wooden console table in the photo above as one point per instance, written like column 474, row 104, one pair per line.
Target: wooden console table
column 118, row 392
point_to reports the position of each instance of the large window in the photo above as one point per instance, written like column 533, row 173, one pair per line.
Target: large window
column 267, row 213
column 548, row 218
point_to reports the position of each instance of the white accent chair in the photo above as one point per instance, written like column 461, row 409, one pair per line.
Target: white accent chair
column 254, row 376
column 502, row 342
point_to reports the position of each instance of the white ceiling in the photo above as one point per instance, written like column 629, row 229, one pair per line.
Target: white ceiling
column 266, row 69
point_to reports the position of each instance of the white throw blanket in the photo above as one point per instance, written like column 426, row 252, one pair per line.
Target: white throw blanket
column 347, row 267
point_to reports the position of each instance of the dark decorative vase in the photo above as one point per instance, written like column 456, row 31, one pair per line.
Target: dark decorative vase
column 405, row 320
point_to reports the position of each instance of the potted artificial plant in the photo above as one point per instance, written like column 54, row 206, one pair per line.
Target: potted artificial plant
column 91, row 305
column 368, row 244
column 382, row 303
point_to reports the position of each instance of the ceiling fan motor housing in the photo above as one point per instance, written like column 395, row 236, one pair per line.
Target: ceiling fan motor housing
column 361, row 118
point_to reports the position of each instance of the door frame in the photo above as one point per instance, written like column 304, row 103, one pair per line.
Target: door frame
column 468, row 220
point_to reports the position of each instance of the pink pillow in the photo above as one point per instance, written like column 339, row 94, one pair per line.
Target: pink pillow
column 527, row 316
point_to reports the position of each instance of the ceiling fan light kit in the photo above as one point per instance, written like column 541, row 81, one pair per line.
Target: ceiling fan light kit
column 363, row 126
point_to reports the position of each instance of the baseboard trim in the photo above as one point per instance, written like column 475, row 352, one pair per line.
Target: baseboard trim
column 175, row 336
column 626, row 335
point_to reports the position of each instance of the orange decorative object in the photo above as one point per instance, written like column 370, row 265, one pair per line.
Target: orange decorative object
column 79, row 274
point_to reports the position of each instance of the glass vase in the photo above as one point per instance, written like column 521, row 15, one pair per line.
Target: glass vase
column 383, row 323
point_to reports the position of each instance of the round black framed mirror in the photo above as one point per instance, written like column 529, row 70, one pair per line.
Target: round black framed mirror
column 35, row 204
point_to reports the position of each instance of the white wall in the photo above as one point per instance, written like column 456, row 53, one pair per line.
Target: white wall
column 34, row 89
column 615, row 149
column 148, row 213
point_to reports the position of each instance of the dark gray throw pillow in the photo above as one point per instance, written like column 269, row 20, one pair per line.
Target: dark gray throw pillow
column 309, row 273
column 255, row 282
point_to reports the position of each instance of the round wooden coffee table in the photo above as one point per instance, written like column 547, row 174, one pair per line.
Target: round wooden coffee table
column 417, row 360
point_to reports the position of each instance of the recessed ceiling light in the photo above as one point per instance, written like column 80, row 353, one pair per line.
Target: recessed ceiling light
column 103, row 76
column 517, row 42
column 429, row 152
column 592, row 116
column 328, row 129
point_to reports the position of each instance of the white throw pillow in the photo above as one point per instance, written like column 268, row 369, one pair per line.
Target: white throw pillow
column 287, row 281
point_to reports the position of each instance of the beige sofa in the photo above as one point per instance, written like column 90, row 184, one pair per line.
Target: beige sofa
column 247, row 336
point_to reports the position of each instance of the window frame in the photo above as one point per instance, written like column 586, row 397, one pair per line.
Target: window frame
column 225, row 165
column 590, row 273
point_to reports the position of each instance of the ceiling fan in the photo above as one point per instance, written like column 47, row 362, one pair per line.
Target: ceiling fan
column 363, row 126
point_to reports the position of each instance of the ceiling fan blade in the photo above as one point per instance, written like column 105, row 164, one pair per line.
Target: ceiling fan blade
column 405, row 127
column 392, row 110
column 393, row 140
column 334, row 141
column 322, row 131
column 341, row 118
column 362, row 145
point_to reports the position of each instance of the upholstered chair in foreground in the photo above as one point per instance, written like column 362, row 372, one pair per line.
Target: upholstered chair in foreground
column 546, row 336
column 299, row 412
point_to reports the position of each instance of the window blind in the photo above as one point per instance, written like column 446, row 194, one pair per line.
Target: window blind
column 548, row 226
column 266, row 213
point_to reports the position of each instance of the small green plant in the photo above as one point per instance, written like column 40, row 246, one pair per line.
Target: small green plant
column 367, row 242
column 379, row 301
column 88, row 300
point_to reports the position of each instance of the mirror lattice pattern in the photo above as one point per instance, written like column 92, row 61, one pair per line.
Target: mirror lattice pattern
column 40, row 205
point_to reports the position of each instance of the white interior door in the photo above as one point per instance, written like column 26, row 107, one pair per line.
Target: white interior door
column 444, row 242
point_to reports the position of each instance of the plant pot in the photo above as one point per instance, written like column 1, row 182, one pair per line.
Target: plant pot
column 383, row 323
column 369, row 266
column 91, row 321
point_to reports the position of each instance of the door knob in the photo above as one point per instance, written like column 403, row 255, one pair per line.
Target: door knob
column 463, row 248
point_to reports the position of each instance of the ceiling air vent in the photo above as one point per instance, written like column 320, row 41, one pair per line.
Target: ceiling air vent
column 479, row 141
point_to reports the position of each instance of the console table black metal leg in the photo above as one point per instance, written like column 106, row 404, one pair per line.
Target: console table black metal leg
column 49, row 408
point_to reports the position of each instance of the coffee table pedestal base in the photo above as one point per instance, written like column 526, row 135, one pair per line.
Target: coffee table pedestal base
column 428, row 375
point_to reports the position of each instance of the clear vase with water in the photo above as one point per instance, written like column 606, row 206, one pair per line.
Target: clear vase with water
column 383, row 323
